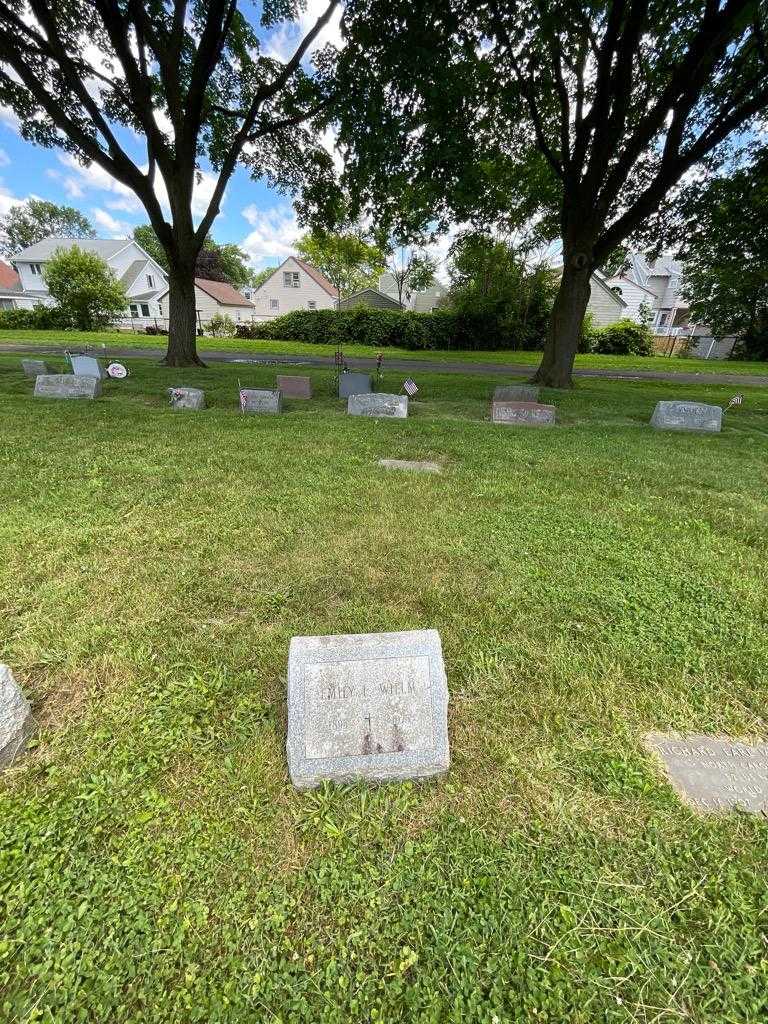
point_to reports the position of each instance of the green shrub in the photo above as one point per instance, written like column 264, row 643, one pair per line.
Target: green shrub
column 220, row 326
column 384, row 328
column 624, row 338
column 40, row 318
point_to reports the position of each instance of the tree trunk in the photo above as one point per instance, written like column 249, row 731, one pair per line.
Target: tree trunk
column 182, row 318
column 566, row 323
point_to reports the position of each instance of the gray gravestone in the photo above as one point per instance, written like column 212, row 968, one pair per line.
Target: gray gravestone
column 417, row 467
column 377, row 404
column 516, row 393
column 368, row 706
column 714, row 774
column 187, row 398
column 34, row 367
column 295, row 387
column 687, row 416
column 66, row 385
column 16, row 721
column 87, row 366
column 523, row 414
column 254, row 401
column 354, row 384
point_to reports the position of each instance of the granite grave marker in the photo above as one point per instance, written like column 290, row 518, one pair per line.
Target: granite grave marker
column 416, row 467
column 34, row 367
column 713, row 773
column 516, row 393
column 354, row 384
column 523, row 414
column 378, row 404
column 187, row 398
column 294, row 387
column 255, row 401
column 87, row 366
column 66, row 385
column 687, row 416
column 16, row 721
column 367, row 706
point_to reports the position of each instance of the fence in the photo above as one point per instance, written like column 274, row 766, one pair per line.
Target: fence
column 159, row 324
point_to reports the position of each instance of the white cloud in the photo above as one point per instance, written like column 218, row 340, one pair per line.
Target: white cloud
column 105, row 221
column 4, row 158
column 283, row 41
column 274, row 234
column 7, row 201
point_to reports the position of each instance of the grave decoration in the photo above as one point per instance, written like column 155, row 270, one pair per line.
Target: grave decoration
column 368, row 706
column 117, row 371
column 186, row 398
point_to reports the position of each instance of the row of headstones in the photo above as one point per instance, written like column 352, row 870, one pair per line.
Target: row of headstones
column 374, row 707
column 518, row 405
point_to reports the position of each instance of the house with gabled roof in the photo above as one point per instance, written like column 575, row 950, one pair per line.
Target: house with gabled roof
column 144, row 280
column 212, row 297
column 295, row 284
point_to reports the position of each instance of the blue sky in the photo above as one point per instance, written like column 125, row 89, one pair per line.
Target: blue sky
column 257, row 218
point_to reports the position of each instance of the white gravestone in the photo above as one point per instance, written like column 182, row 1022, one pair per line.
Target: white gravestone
column 187, row 398
column 34, row 367
column 377, row 404
column 16, row 721
column 254, row 401
column 516, row 393
column 714, row 773
column 523, row 414
column 687, row 416
column 367, row 706
column 87, row 366
column 66, row 385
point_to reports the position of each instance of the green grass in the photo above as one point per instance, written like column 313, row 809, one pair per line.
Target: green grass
column 586, row 362
column 590, row 582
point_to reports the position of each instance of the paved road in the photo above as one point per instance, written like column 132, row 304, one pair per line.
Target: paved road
column 409, row 365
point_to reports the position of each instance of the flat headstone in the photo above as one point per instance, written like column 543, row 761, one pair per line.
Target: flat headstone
column 87, row 366
column 416, row 467
column 354, row 384
column 187, row 398
column 523, row 414
column 66, row 385
column 714, row 773
column 367, row 706
column 254, row 401
column 516, row 393
column 294, row 387
column 34, row 367
column 687, row 416
column 16, row 721
column 377, row 404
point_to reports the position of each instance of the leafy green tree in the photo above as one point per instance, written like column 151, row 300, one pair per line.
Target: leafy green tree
column 36, row 219
column 582, row 115
column 258, row 277
column 411, row 269
column 85, row 288
column 348, row 261
column 190, row 77
column 215, row 262
column 724, row 227
column 490, row 276
column 145, row 235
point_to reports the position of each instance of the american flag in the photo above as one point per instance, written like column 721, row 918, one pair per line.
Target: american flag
column 736, row 400
column 409, row 387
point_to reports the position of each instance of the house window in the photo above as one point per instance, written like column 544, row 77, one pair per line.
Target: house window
column 150, row 281
column 311, row 304
column 663, row 319
column 6, row 303
column 290, row 279
column 144, row 309
column 274, row 304
column 35, row 269
column 134, row 309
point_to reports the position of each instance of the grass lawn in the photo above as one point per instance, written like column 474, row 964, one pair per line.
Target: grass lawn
column 123, row 339
column 590, row 582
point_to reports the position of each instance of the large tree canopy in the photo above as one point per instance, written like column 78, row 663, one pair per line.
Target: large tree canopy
column 215, row 261
column 349, row 261
column 36, row 219
column 583, row 115
column 192, row 79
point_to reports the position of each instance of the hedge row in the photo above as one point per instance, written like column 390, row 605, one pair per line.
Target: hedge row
column 40, row 318
column 383, row 328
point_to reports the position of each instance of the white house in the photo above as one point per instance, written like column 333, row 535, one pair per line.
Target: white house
column 662, row 281
column 144, row 280
column 294, row 285
column 425, row 301
column 640, row 301
column 212, row 297
column 11, row 293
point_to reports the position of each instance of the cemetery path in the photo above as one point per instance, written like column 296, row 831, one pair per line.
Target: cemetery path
column 408, row 365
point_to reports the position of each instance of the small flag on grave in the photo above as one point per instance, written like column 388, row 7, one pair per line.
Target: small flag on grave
column 409, row 387
column 736, row 400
